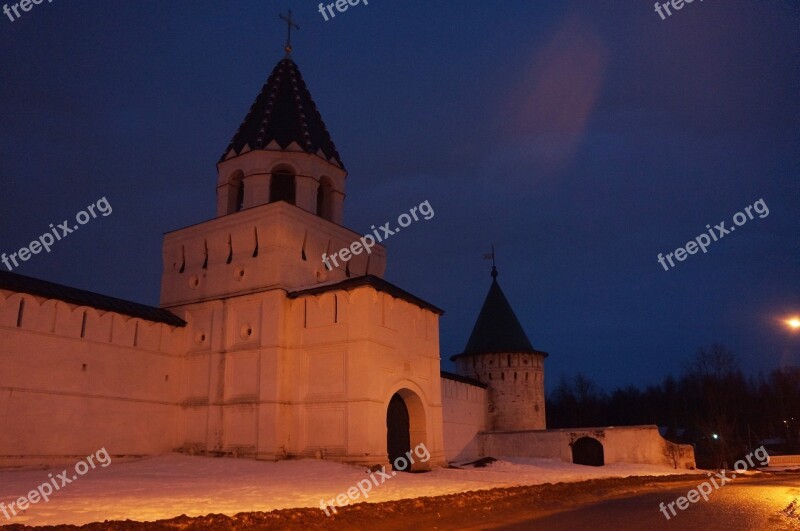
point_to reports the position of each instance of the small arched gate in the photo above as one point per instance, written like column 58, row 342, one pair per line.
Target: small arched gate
column 588, row 451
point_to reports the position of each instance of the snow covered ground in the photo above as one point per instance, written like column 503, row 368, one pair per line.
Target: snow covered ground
column 171, row 485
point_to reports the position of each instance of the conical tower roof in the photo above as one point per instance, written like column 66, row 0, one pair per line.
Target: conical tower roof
column 284, row 112
column 497, row 329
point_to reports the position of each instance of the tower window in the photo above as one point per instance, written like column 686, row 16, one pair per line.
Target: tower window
column 239, row 195
column 236, row 193
column 325, row 199
column 282, row 187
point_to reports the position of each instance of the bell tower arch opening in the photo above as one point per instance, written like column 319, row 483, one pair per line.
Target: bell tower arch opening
column 325, row 198
column 282, row 186
column 235, row 196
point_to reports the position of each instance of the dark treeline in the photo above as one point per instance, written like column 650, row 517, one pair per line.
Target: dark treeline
column 711, row 406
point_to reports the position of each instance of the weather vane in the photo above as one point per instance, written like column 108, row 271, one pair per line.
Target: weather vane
column 289, row 24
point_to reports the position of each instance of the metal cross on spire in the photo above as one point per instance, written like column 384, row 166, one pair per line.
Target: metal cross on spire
column 491, row 256
column 289, row 24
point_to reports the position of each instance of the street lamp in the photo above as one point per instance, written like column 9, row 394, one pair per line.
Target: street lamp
column 793, row 323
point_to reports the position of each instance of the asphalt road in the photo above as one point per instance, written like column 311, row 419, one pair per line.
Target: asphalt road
column 741, row 504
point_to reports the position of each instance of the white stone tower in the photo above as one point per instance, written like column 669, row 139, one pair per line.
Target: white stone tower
column 500, row 355
column 280, row 196
column 287, row 356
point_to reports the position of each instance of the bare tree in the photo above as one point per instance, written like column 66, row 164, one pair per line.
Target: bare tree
column 673, row 453
column 716, row 384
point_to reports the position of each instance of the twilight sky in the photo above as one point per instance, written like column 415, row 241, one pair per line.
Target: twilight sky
column 582, row 138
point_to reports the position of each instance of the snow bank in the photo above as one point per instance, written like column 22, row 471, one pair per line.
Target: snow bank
column 174, row 484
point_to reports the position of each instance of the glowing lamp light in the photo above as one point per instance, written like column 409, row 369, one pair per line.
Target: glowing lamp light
column 794, row 323
column 714, row 436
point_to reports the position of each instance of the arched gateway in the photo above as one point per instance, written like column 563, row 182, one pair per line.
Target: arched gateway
column 398, row 438
column 405, row 430
column 588, row 451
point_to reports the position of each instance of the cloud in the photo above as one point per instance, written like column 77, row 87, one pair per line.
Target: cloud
column 547, row 112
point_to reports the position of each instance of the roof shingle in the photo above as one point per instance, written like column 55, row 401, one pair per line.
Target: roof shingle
column 368, row 280
column 284, row 112
column 50, row 290
column 497, row 329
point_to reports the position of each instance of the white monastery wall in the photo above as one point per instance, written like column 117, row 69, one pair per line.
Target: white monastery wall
column 626, row 444
column 76, row 379
column 464, row 408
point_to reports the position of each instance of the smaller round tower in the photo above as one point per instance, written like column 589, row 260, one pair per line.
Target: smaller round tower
column 500, row 355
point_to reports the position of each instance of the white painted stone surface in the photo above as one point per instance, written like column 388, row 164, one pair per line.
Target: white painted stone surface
column 464, row 408
column 62, row 396
column 275, row 245
column 311, row 376
column 625, row 444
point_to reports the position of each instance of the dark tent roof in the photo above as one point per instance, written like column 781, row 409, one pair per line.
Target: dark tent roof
column 284, row 112
column 41, row 288
column 497, row 329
